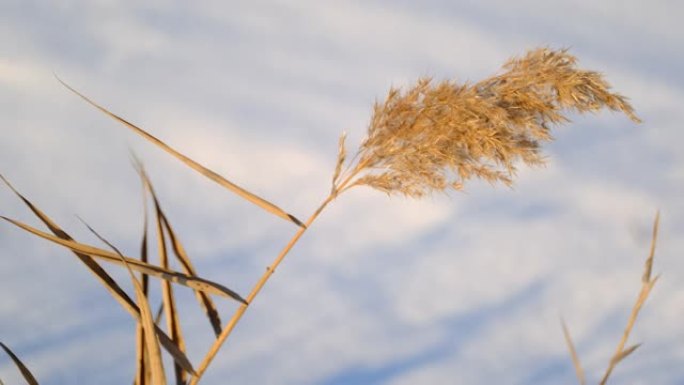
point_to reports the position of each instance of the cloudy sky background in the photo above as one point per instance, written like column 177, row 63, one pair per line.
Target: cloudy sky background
column 463, row 288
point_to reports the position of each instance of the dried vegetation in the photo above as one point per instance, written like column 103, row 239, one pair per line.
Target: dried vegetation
column 431, row 137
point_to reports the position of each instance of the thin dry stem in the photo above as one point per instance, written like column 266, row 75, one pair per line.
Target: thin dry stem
column 573, row 353
column 227, row 330
column 647, row 285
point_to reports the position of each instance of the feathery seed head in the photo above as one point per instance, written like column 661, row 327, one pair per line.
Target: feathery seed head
column 435, row 136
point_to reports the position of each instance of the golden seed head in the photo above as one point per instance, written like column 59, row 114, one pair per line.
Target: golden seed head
column 435, row 136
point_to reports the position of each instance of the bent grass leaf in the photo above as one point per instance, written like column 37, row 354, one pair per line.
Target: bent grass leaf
column 264, row 204
column 28, row 376
column 155, row 271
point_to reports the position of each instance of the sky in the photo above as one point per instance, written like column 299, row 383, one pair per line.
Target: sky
column 460, row 288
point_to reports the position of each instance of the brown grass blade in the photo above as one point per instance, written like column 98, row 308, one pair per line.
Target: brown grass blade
column 647, row 284
column 264, row 204
column 169, row 302
column 142, row 372
column 152, row 270
column 104, row 278
column 147, row 322
column 28, row 376
column 573, row 353
column 204, row 300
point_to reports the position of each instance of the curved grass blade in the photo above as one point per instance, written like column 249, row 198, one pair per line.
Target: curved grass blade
column 28, row 376
column 264, row 204
column 105, row 279
column 155, row 271
column 179, row 251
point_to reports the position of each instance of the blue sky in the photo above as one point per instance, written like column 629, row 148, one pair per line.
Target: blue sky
column 455, row 289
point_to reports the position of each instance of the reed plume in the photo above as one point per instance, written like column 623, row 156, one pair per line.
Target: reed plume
column 435, row 136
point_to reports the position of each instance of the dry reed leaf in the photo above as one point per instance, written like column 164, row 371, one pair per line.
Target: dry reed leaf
column 169, row 301
column 25, row 372
column 157, row 375
column 142, row 373
column 436, row 136
column 204, row 300
column 196, row 283
column 264, row 204
column 647, row 284
column 105, row 279
column 573, row 353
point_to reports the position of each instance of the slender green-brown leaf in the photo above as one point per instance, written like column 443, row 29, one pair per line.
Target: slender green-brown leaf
column 264, row 204
column 179, row 251
column 107, row 281
column 155, row 271
column 28, row 376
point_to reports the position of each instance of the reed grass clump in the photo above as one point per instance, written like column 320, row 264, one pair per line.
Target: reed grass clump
column 430, row 137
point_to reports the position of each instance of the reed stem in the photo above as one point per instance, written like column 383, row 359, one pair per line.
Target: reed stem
column 221, row 339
